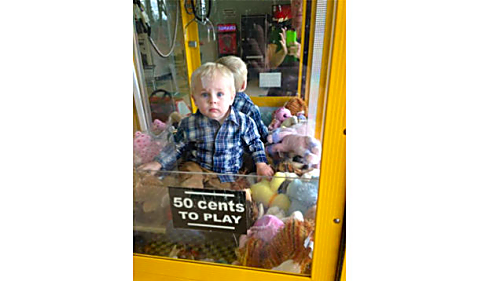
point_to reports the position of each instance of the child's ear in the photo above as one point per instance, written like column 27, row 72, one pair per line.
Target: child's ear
column 194, row 100
column 243, row 86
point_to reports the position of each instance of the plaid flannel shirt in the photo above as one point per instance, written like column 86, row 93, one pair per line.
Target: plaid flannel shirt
column 216, row 147
column 244, row 104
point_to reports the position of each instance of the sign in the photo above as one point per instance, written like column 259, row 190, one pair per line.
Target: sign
column 209, row 209
column 229, row 27
column 227, row 42
column 270, row 79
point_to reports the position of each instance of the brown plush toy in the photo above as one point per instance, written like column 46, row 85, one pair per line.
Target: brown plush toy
column 288, row 244
column 296, row 105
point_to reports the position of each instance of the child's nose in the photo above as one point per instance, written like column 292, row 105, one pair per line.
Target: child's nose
column 213, row 99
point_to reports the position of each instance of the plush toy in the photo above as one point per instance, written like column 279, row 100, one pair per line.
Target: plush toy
column 289, row 244
column 147, row 188
column 290, row 121
column 302, row 118
column 303, row 195
column 264, row 229
column 266, row 192
column 296, row 105
column 145, row 148
column 158, row 126
column 174, row 119
column 297, row 129
column 150, row 199
column 307, row 147
column 280, row 115
column 311, row 213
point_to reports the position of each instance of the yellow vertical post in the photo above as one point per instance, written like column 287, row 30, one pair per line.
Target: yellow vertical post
column 191, row 43
column 136, row 120
column 342, row 277
column 325, row 64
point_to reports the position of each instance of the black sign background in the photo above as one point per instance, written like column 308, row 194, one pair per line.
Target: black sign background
column 209, row 209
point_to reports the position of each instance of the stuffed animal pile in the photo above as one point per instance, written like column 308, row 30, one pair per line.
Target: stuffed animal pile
column 148, row 145
column 281, row 210
column 291, row 143
column 278, row 240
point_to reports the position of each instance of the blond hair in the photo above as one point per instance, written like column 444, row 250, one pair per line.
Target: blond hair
column 238, row 67
column 209, row 70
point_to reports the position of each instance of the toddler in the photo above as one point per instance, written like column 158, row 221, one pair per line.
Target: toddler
column 216, row 134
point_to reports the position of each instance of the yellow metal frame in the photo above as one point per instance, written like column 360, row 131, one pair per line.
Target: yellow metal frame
column 193, row 59
column 343, row 276
column 270, row 101
column 331, row 197
column 136, row 119
column 326, row 63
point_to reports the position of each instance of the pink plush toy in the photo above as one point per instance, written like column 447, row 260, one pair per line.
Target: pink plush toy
column 280, row 115
column 307, row 147
column 264, row 229
column 145, row 148
column 158, row 126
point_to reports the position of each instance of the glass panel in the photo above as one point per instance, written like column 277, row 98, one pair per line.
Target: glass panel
column 266, row 34
column 192, row 213
column 279, row 216
column 160, row 36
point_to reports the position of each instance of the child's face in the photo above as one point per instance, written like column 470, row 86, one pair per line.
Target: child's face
column 214, row 96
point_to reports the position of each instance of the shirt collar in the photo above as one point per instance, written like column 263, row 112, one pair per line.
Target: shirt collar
column 231, row 117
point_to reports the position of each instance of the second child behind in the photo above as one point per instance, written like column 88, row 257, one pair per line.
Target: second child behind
column 242, row 101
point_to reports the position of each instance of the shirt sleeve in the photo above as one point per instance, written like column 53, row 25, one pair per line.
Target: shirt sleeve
column 252, row 141
column 255, row 115
column 169, row 155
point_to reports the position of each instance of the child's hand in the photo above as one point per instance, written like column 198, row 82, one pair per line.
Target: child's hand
column 264, row 170
column 151, row 166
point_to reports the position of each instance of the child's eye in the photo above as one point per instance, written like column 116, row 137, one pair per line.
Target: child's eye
column 204, row 95
column 220, row 94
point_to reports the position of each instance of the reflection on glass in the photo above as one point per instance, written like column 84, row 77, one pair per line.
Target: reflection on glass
column 160, row 37
column 278, row 217
column 266, row 36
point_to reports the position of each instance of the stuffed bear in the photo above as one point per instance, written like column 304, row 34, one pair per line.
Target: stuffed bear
column 303, row 195
column 287, row 246
column 296, row 105
column 280, row 115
